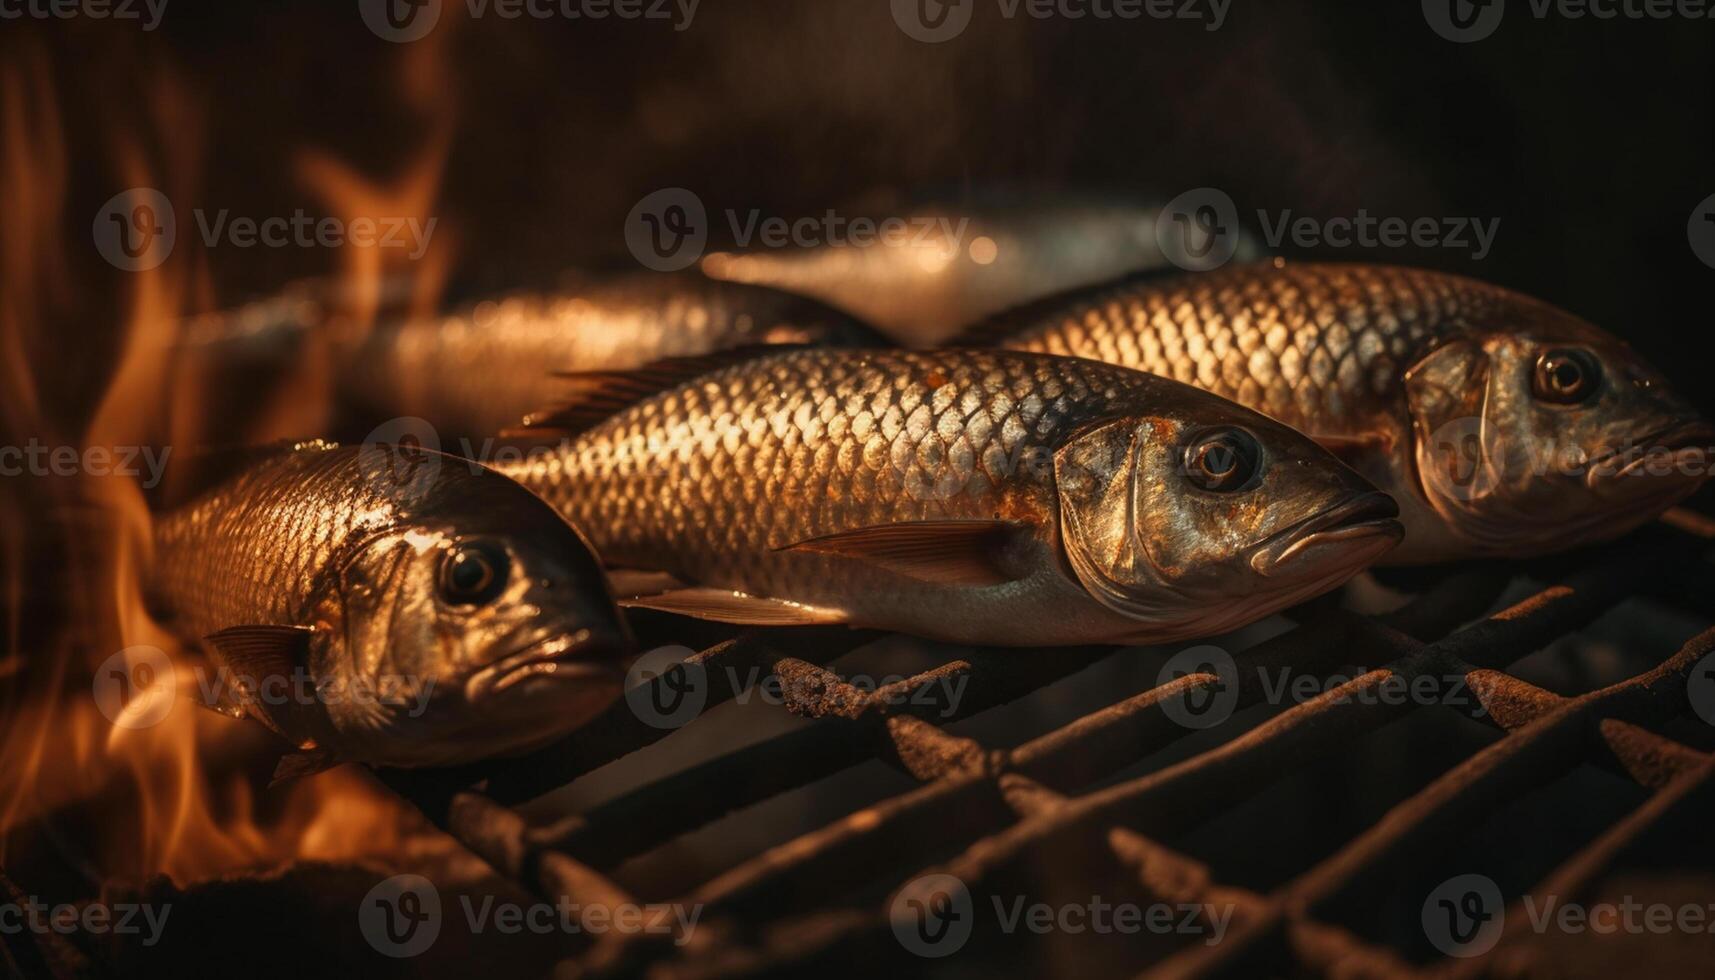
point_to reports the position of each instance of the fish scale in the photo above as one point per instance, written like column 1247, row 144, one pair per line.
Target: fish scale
column 1304, row 343
column 1429, row 384
column 252, row 550
column 712, row 478
column 447, row 612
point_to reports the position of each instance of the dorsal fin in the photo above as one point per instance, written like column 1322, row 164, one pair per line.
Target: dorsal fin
column 995, row 329
column 592, row 397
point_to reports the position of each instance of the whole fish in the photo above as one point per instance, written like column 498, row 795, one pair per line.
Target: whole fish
column 1502, row 425
column 479, row 368
column 952, row 260
column 390, row 606
column 974, row 496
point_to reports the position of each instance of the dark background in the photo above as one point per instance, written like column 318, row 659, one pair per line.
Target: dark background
column 1590, row 140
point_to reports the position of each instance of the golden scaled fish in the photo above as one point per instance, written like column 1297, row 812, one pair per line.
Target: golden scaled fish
column 478, row 368
column 953, row 260
column 389, row 606
column 1502, row 425
column 975, row 496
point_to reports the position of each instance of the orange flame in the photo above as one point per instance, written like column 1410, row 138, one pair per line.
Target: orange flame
column 179, row 796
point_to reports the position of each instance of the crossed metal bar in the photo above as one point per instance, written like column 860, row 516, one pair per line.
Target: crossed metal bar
column 822, row 899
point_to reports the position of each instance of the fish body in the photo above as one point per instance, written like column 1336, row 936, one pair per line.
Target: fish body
column 477, row 369
column 974, row 496
column 954, row 261
column 1440, row 389
column 438, row 612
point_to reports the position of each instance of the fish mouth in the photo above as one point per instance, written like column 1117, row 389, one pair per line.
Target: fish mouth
column 1682, row 452
column 1349, row 535
column 576, row 656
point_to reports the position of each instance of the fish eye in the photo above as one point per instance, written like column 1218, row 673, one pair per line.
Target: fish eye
column 1224, row 461
column 473, row 573
column 1567, row 376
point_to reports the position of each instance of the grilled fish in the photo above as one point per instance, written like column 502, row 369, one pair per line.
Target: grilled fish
column 390, row 606
column 953, row 261
column 974, row 496
column 1502, row 425
column 478, row 369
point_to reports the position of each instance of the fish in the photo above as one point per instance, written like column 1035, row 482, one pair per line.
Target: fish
column 953, row 259
column 478, row 368
column 388, row 605
column 1502, row 425
column 986, row 497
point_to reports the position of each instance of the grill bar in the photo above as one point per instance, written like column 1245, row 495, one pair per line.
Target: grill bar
column 1001, row 810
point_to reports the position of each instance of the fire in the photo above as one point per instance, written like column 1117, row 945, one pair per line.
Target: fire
column 183, row 795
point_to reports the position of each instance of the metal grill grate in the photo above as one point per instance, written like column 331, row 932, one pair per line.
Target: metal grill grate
column 821, row 900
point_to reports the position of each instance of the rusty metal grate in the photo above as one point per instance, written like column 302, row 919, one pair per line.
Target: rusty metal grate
column 990, row 816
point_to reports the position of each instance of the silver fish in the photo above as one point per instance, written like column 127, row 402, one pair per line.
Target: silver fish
column 1502, row 425
column 976, row 496
column 394, row 607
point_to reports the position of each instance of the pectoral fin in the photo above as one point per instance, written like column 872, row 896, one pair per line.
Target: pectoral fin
column 726, row 606
column 941, row 552
column 251, row 655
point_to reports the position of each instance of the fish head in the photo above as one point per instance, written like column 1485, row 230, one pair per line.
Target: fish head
column 1203, row 519
column 485, row 630
column 1532, row 440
